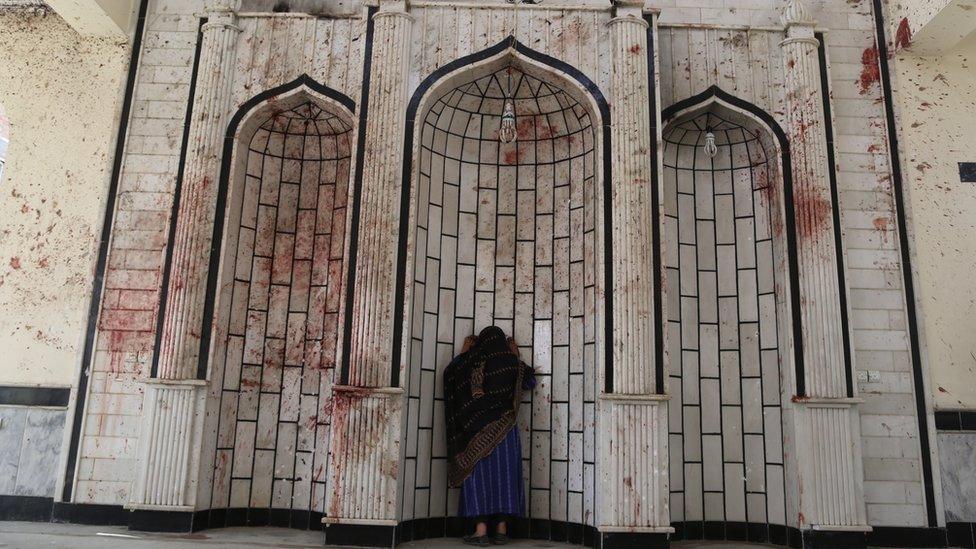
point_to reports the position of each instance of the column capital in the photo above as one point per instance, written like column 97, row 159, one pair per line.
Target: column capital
column 795, row 14
column 629, row 18
column 221, row 14
column 627, row 10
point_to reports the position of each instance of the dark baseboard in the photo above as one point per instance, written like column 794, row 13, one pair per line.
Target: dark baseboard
column 633, row 540
column 90, row 513
column 832, row 539
column 751, row 532
column 26, row 508
column 19, row 395
column 955, row 420
column 145, row 520
column 961, row 534
column 907, row 536
column 360, row 535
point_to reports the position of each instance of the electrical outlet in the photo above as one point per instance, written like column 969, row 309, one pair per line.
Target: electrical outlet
column 874, row 376
column 862, row 376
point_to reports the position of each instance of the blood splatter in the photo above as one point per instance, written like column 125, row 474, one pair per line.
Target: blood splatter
column 870, row 69
column 903, row 36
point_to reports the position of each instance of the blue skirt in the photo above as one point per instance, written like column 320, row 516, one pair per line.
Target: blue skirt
column 495, row 485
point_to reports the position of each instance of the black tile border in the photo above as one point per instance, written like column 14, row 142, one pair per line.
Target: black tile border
column 955, row 420
column 26, row 508
column 961, row 534
column 21, row 395
column 907, row 536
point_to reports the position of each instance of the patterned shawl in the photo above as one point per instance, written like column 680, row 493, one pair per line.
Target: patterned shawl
column 482, row 390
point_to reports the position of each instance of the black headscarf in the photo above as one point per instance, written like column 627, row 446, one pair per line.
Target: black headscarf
column 482, row 391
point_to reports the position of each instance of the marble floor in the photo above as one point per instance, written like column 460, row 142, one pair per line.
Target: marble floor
column 31, row 535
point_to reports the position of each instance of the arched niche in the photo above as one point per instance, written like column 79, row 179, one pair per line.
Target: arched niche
column 281, row 239
column 733, row 341
column 511, row 235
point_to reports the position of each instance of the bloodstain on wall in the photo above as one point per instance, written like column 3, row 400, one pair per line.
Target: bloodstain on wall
column 870, row 70
column 813, row 214
column 903, row 36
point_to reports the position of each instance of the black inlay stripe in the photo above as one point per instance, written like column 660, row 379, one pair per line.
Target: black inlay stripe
column 825, row 93
column 897, row 196
column 102, row 262
column 357, row 195
column 177, row 192
column 658, row 266
column 955, row 420
column 17, row 395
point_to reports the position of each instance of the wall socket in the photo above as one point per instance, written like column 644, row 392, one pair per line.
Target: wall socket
column 868, row 376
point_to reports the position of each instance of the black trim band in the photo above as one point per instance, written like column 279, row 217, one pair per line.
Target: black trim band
column 955, row 420
column 101, row 263
column 17, row 395
column 357, row 194
column 897, row 195
column 658, row 267
column 780, row 135
column 177, row 193
column 826, row 94
column 407, row 174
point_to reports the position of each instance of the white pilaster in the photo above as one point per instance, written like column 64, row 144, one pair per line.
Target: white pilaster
column 182, row 322
column 173, row 400
column 371, row 343
column 633, row 428
column 828, row 452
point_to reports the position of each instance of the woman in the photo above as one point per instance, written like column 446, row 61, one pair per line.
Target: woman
column 482, row 390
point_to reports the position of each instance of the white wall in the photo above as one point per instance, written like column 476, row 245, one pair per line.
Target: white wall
column 63, row 121
column 937, row 106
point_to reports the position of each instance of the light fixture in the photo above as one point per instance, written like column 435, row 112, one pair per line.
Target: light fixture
column 710, row 148
column 508, row 131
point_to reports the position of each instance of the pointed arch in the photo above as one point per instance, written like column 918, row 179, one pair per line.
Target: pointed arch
column 716, row 98
column 244, row 122
column 531, row 61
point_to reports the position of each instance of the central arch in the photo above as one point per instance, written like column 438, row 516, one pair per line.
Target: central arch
column 511, row 235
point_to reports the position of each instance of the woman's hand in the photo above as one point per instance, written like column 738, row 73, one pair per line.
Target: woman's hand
column 468, row 343
column 512, row 346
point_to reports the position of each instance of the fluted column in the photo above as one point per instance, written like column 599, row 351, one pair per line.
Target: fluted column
column 366, row 413
column 823, row 338
column 632, row 498
column 170, row 437
column 371, row 342
column 182, row 320
column 632, row 227
column 829, row 494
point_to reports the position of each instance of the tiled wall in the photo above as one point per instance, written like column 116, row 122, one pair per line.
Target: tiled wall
column 30, row 449
column 725, row 416
column 289, row 236
column 506, row 236
column 745, row 63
